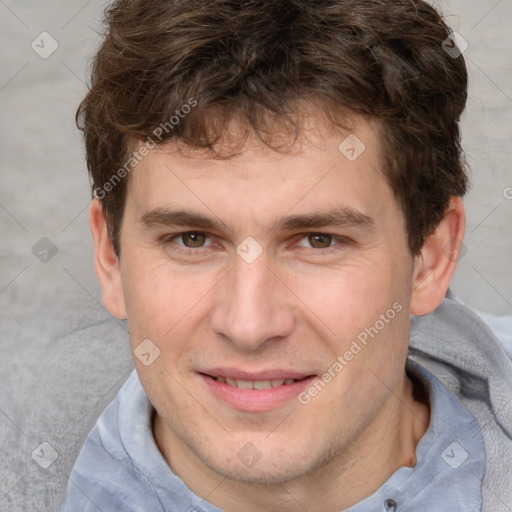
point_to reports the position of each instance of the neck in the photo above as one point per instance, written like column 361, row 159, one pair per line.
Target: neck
column 387, row 444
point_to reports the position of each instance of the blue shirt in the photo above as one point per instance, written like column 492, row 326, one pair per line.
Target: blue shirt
column 121, row 469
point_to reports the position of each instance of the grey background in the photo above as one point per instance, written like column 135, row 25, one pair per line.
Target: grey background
column 63, row 356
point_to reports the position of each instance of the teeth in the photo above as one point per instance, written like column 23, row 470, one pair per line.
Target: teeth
column 244, row 384
column 262, row 384
column 254, row 384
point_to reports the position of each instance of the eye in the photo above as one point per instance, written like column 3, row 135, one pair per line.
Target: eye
column 191, row 239
column 320, row 244
column 190, row 245
column 317, row 241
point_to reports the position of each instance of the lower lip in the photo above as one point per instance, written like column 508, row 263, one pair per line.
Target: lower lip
column 256, row 400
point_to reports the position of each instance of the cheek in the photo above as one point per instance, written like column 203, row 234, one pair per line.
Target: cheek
column 365, row 308
column 160, row 300
column 349, row 298
column 150, row 298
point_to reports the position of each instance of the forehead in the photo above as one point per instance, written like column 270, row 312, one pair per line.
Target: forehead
column 325, row 167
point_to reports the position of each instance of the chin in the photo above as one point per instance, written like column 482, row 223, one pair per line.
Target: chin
column 269, row 467
column 260, row 475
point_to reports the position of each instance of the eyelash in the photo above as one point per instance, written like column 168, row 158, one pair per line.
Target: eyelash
column 339, row 243
column 183, row 249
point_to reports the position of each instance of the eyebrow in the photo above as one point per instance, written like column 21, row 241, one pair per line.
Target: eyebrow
column 164, row 217
column 339, row 217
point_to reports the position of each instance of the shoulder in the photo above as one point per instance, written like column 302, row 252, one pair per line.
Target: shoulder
column 105, row 475
column 501, row 326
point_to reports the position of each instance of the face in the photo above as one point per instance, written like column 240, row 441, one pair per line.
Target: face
column 288, row 274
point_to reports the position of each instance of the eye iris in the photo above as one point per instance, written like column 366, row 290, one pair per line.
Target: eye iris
column 194, row 239
column 320, row 241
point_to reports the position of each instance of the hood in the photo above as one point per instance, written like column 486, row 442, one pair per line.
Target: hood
column 463, row 353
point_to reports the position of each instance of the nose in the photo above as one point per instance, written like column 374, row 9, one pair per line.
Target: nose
column 253, row 306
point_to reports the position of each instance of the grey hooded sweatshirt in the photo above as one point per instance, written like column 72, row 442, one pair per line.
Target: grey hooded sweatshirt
column 464, row 460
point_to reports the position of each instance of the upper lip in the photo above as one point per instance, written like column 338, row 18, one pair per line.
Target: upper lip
column 274, row 374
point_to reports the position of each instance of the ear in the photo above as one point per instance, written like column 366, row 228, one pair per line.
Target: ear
column 106, row 262
column 435, row 265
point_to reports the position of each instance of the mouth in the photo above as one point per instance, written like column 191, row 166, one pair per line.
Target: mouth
column 255, row 392
column 254, row 384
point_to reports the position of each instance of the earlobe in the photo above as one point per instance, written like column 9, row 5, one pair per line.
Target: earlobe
column 435, row 265
column 106, row 262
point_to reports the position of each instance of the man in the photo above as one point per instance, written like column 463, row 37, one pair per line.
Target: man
column 277, row 189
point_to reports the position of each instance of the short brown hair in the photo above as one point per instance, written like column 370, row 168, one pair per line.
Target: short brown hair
column 259, row 60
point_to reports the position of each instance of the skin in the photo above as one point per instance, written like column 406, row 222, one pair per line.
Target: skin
column 298, row 307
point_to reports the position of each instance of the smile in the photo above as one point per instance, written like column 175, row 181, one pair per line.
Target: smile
column 255, row 384
column 261, row 393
